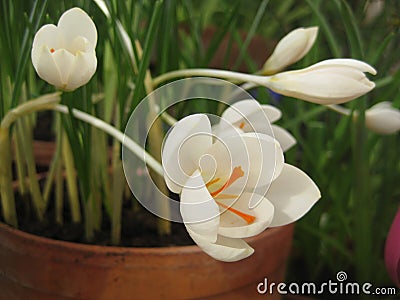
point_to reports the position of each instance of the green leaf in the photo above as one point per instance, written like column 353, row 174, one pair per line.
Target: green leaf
column 326, row 28
column 34, row 19
column 144, row 62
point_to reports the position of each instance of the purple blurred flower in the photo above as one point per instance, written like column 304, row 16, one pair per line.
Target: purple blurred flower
column 392, row 250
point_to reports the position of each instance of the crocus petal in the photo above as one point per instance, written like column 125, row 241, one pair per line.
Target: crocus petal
column 47, row 68
column 273, row 114
column 240, row 110
column 329, row 82
column 293, row 194
column 234, row 226
column 199, row 211
column 224, row 249
column 345, row 62
column 392, row 250
column 285, row 139
column 266, row 158
column 224, row 130
column 84, row 67
column 64, row 61
column 186, row 142
column 75, row 22
column 259, row 156
column 45, row 39
column 250, row 116
column 291, row 48
column 383, row 118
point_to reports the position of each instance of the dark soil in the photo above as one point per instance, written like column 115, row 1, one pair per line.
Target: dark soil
column 43, row 130
column 139, row 227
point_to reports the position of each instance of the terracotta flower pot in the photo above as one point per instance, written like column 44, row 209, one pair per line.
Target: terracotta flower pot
column 43, row 152
column 33, row 267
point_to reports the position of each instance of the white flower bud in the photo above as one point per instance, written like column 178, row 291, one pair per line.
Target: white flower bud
column 64, row 55
column 290, row 49
column 331, row 81
column 383, row 118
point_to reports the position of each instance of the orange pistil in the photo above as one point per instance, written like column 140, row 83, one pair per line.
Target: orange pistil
column 52, row 50
column 236, row 174
column 241, row 125
column 248, row 218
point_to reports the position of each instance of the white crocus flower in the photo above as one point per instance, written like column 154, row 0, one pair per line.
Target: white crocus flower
column 383, row 118
column 64, row 55
column 250, row 116
column 332, row 81
column 219, row 180
column 290, row 49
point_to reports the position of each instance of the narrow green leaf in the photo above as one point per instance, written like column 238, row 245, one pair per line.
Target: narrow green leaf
column 220, row 34
column 376, row 54
column 326, row 28
column 144, row 62
column 352, row 29
column 35, row 18
column 251, row 32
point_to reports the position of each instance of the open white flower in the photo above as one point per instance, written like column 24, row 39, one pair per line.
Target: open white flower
column 332, row 81
column 232, row 188
column 290, row 49
column 250, row 116
column 64, row 55
column 383, row 118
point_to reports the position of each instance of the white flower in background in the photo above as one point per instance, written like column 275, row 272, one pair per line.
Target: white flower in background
column 232, row 188
column 250, row 116
column 373, row 9
column 290, row 49
column 383, row 118
column 64, row 55
column 332, row 81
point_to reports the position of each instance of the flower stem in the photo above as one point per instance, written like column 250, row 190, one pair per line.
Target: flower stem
column 19, row 158
column 339, row 109
column 170, row 120
column 36, row 195
column 125, row 140
column 230, row 75
column 42, row 103
column 71, row 178
column 6, row 190
column 155, row 137
column 7, row 194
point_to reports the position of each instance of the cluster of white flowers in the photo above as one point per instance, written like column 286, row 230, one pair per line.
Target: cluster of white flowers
column 231, row 177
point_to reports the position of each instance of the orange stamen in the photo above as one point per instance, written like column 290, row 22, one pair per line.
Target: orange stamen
column 212, row 182
column 248, row 218
column 236, row 174
column 52, row 50
column 241, row 125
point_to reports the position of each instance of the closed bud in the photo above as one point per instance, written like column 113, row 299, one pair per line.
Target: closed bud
column 383, row 118
column 290, row 49
column 331, row 81
column 64, row 55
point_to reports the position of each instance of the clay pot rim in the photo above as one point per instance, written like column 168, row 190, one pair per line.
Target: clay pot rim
column 105, row 249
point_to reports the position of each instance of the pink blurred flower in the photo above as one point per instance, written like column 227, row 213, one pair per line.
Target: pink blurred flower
column 392, row 250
